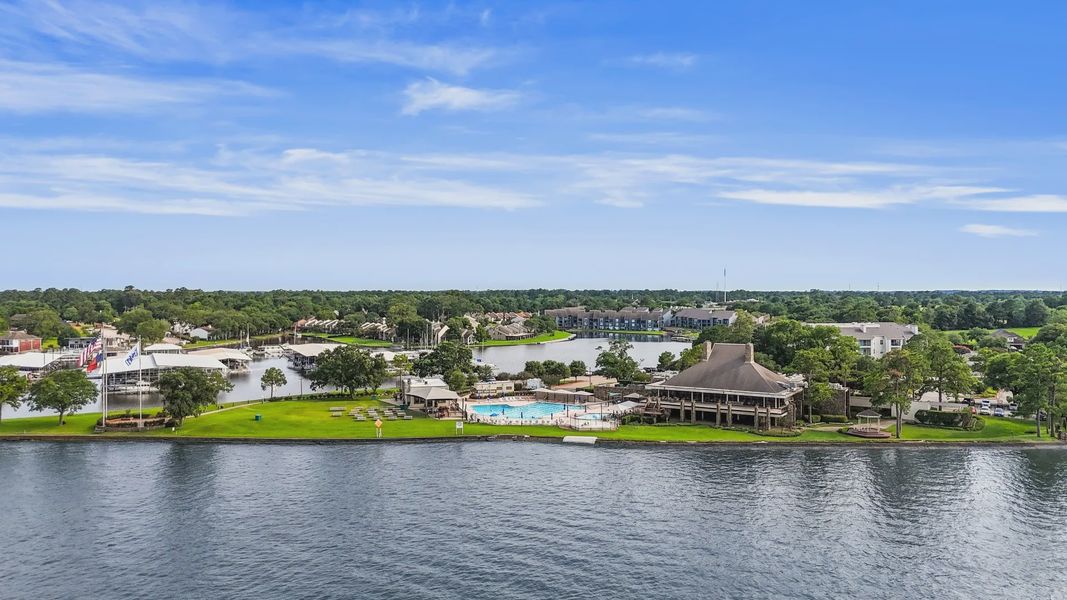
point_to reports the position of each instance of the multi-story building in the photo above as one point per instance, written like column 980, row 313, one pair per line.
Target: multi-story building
column 15, row 342
column 876, row 339
column 636, row 318
column 701, row 318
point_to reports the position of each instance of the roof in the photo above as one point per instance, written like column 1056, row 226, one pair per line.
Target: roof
column 731, row 367
column 313, row 350
column 633, row 396
column 432, row 393
column 29, row 360
column 117, row 364
column 18, row 335
column 1009, row 335
column 869, row 413
column 705, row 313
column 161, row 348
column 222, row 354
column 867, row 331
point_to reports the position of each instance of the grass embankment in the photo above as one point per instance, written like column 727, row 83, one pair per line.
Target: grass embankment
column 229, row 341
column 623, row 331
column 1024, row 332
column 311, row 419
column 351, row 340
column 555, row 336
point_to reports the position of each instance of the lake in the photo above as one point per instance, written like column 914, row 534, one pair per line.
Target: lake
column 514, row 520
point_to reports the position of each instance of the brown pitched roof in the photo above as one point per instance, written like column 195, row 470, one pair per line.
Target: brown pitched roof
column 730, row 367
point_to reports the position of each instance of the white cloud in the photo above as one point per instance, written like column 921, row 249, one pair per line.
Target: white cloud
column 665, row 60
column 621, row 202
column 820, row 199
column 217, row 34
column 432, row 94
column 241, row 183
column 671, row 113
column 1037, row 203
column 653, row 138
column 996, row 231
column 32, row 88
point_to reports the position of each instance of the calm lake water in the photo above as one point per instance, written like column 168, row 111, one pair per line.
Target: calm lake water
column 506, row 358
column 522, row 520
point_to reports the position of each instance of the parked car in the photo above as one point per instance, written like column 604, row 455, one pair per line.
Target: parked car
column 985, row 411
column 998, row 412
column 1013, row 407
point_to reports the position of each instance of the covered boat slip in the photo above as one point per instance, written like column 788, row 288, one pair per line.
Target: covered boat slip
column 727, row 387
column 149, row 366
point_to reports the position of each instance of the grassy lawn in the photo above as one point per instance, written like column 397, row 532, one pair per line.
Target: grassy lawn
column 311, row 419
column 1025, row 332
column 228, row 342
column 996, row 429
column 537, row 339
column 348, row 339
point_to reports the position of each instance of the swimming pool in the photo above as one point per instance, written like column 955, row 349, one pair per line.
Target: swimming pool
column 535, row 410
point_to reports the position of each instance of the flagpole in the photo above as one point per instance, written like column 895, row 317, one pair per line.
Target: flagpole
column 140, row 409
column 103, row 379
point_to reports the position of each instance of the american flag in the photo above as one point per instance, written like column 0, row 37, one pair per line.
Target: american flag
column 91, row 354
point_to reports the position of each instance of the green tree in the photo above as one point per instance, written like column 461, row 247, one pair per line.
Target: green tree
column 666, row 359
column 130, row 319
column 273, row 377
column 13, row 386
column 814, row 365
column 616, row 362
column 402, row 363
column 187, row 391
column 947, row 371
column 1036, row 313
column 1041, row 383
column 554, row 371
column 377, row 371
column 445, row 358
column 152, row 331
column 344, row 367
column 578, row 368
column 62, row 391
column 896, row 381
column 534, row 368
column 456, row 380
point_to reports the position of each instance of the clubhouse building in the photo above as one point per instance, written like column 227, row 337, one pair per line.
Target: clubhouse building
column 727, row 387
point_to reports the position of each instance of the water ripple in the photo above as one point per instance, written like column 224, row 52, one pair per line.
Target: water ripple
column 518, row 520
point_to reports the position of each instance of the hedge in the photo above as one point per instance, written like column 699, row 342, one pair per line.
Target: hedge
column 835, row 418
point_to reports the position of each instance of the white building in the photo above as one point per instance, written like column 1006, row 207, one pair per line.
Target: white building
column 876, row 339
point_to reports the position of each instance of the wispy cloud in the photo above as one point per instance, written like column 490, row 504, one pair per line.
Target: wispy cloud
column 214, row 33
column 996, row 231
column 31, row 88
column 620, row 202
column 431, row 94
column 1036, row 203
column 678, row 61
column 238, row 183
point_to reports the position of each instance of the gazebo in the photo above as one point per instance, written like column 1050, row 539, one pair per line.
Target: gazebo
column 870, row 425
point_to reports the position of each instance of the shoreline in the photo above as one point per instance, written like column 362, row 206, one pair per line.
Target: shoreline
column 29, row 437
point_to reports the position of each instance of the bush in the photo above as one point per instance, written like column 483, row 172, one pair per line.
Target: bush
column 939, row 418
column 978, row 424
column 834, row 418
column 815, row 418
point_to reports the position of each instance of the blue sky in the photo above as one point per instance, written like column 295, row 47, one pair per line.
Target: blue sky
column 838, row 145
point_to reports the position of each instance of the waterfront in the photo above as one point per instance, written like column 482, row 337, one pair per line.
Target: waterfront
column 504, row 358
column 452, row 520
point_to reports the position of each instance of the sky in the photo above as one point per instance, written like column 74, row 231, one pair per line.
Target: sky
column 424, row 145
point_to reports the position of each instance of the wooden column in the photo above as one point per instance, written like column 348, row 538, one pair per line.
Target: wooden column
column 718, row 413
column 693, row 408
